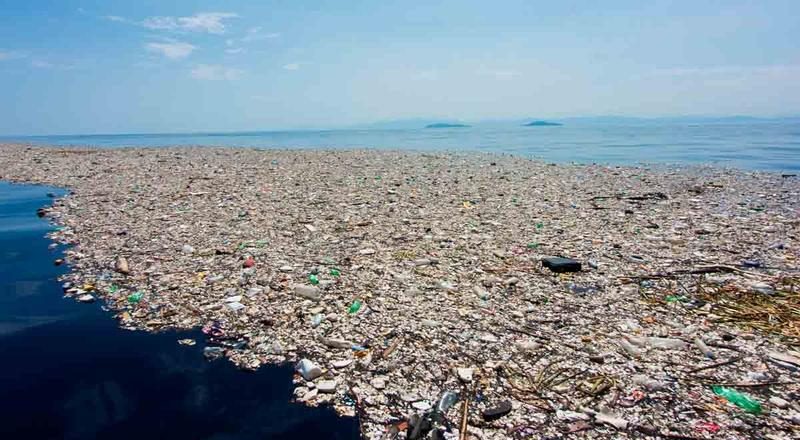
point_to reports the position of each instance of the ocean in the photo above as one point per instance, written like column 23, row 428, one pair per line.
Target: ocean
column 750, row 144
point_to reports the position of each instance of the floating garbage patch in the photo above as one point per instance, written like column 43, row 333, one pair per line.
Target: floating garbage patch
column 454, row 295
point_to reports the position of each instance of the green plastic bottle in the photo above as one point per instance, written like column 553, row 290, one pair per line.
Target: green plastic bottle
column 355, row 307
column 135, row 297
column 741, row 400
column 313, row 279
column 335, row 272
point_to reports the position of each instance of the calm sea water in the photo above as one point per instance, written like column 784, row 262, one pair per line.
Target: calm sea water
column 68, row 371
column 765, row 145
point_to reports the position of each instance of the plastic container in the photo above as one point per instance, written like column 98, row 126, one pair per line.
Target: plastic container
column 743, row 401
column 355, row 307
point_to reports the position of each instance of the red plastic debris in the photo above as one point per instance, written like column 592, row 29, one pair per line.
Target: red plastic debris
column 707, row 427
column 249, row 262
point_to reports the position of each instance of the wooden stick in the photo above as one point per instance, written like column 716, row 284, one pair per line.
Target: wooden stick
column 464, row 416
column 718, row 364
column 754, row 385
column 392, row 347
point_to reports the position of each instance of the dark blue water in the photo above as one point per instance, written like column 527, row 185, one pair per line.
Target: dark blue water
column 758, row 144
column 68, row 372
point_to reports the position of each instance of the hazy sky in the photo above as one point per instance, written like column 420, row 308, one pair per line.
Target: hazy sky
column 145, row 66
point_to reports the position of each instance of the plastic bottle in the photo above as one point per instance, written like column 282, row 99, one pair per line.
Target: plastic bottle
column 741, row 400
column 135, row 297
column 313, row 279
column 335, row 272
column 355, row 307
column 446, row 401
column 308, row 369
column 666, row 343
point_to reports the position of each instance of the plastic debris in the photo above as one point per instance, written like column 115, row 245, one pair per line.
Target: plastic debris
column 86, row 298
column 122, row 266
column 611, row 419
column 739, row 399
column 465, row 374
column 249, row 262
column 560, row 265
column 308, row 292
column 498, row 411
column 308, row 369
column 213, row 352
column 354, row 307
column 326, row 386
column 709, row 427
column 450, row 285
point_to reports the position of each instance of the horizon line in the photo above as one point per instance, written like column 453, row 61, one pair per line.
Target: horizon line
column 423, row 119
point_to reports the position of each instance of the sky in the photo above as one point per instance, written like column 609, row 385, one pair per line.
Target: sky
column 173, row 66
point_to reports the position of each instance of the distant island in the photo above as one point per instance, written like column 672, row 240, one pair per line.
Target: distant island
column 446, row 125
column 542, row 124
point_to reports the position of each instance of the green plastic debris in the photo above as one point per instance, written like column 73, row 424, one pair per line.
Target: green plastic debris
column 313, row 279
column 113, row 289
column 378, row 177
column 355, row 307
column 335, row 272
column 741, row 400
column 533, row 245
column 675, row 298
column 539, row 225
column 135, row 297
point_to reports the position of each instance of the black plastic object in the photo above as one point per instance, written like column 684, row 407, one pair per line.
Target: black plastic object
column 559, row 264
column 752, row 263
column 418, row 427
column 498, row 411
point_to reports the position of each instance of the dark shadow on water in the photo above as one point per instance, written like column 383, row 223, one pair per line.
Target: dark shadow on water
column 67, row 371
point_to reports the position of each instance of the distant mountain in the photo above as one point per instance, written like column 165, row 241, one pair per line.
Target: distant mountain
column 446, row 125
column 573, row 121
column 542, row 124
column 397, row 124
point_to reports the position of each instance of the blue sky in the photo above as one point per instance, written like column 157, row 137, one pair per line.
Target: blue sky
column 158, row 66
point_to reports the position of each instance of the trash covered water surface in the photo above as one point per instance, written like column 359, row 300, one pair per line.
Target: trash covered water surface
column 454, row 295
column 70, row 372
